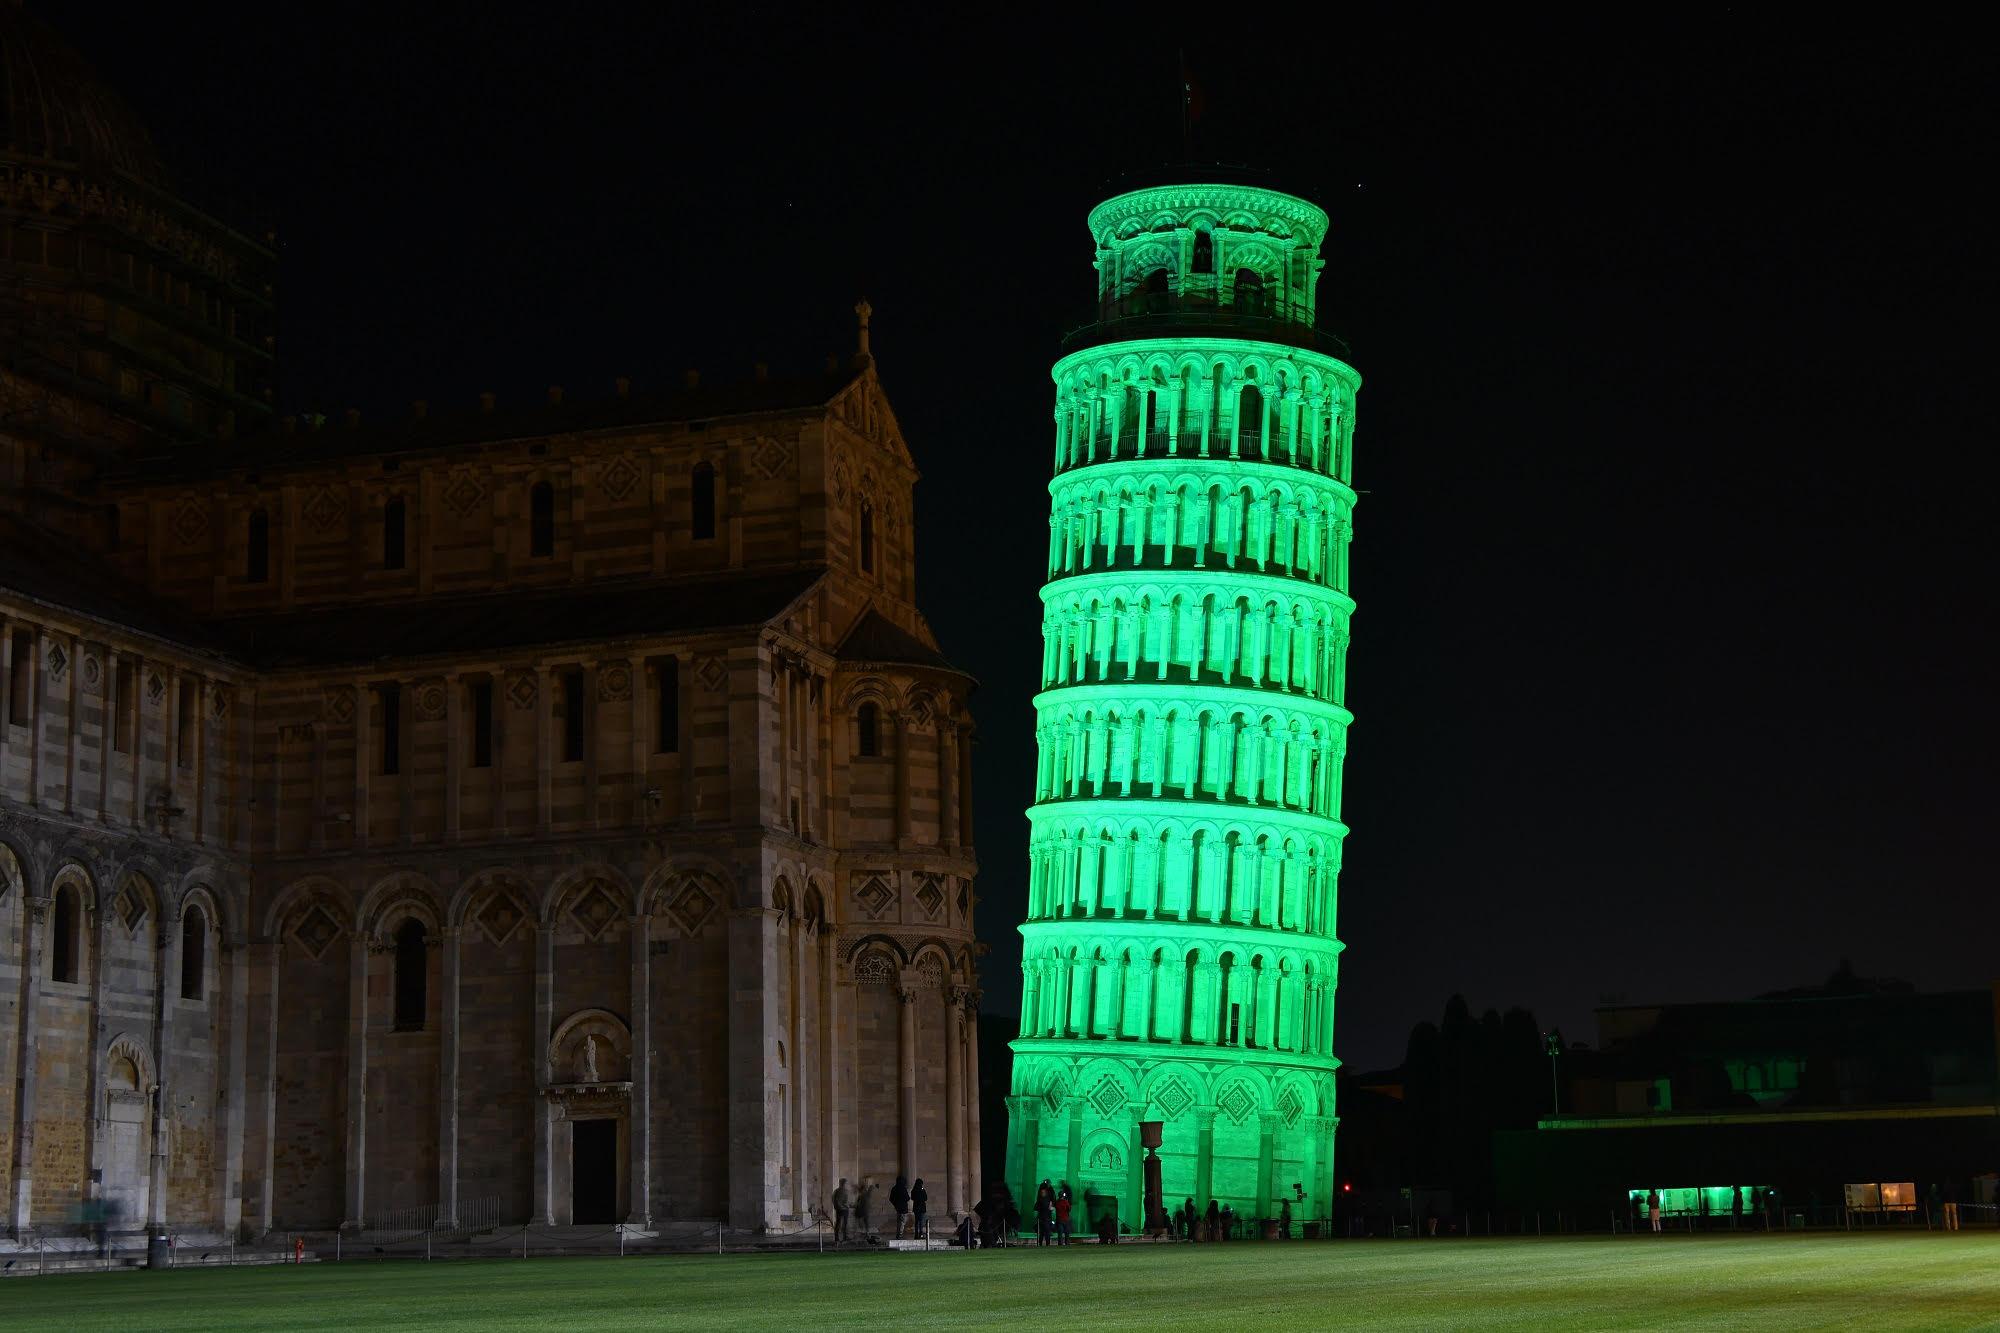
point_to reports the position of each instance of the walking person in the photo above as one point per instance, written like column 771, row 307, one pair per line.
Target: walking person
column 1186, row 1220
column 1653, row 1209
column 920, row 1208
column 1212, row 1222
column 1064, row 1206
column 841, row 1208
column 861, row 1202
column 899, row 1199
column 1285, row 1221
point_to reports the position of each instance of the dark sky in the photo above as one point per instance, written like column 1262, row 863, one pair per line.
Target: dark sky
column 1672, row 667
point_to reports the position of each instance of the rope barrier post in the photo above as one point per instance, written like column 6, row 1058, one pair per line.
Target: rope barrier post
column 427, row 1247
column 621, row 1240
column 524, row 1240
column 336, row 1247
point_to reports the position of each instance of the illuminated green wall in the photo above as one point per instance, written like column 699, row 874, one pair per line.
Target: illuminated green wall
column 1180, row 953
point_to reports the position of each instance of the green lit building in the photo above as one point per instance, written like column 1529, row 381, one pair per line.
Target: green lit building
column 1180, row 953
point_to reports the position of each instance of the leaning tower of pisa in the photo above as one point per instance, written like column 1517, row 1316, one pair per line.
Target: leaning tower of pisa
column 1180, row 953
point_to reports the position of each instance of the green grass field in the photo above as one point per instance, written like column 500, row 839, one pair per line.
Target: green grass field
column 1916, row 1281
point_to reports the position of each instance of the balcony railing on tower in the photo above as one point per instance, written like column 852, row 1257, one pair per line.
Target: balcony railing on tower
column 1245, row 313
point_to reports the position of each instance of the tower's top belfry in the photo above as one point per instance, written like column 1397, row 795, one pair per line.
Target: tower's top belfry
column 1243, row 251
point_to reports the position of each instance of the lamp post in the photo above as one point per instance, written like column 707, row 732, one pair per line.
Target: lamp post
column 1552, row 1042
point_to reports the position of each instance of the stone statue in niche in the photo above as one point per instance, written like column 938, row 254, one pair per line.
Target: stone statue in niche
column 586, row 1064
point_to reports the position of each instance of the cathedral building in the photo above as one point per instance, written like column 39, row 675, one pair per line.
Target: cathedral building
column 554, row 813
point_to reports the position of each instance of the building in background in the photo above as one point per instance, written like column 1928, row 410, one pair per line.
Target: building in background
column 1852, row 1082
column 1180, row 953
column 554, row 813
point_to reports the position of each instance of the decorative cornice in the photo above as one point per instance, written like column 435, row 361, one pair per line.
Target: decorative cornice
column 1219, row 199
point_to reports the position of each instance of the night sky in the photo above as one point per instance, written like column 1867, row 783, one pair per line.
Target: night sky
column 1672, row 667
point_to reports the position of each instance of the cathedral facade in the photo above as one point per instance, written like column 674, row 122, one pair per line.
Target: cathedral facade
column 554, row 814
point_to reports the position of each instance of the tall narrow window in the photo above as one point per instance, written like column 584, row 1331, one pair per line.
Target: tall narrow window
column 868, row 726
column 186, row 726
column 392, row 534
column 1250, row 420
column 1250, row 295
column 482, row 723
column 572, row 687
column 667, row 705
column 21, row 679
column 121, row 721
column 257, row 563
column 867, row 538
column 194, row 946
column 389, row 703
column 1156, row 290
column 1204, row 253
column 411, row 970
column 542, row 520
column 704, row 501
column 63, row 941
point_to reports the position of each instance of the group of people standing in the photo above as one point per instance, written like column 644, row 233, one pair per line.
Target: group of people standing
column 911, row 1203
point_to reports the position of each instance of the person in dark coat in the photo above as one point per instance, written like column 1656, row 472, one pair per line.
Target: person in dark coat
column 1285, row 1221
column 899, row 1199
column 1187, row 1221
column 842, row 1206
column 861, row 1202
column 1045, row 1214
column 1212, row 1222
column 920, row 1208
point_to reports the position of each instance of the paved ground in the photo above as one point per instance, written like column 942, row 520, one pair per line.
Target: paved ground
column 1919, row 1281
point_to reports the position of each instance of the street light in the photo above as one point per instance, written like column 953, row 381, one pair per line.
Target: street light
column 1552, row 1042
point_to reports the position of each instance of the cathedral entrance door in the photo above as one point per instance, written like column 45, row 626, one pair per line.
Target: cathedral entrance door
column 126, row 1176
column 594, row 1171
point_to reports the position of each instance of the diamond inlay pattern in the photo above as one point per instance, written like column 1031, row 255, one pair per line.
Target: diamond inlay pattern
column 713, row 673
column 1108, row 1096
column 619, row 477
column 1052, row 1096
column 691, row 907
column 1237, row 1103
column 1291, row 1107
column 930, row 897
column 594, row 910
column 873, row 896
column 500, row 917
column 315, row 931
column 1173, row 1098
column 131, row 909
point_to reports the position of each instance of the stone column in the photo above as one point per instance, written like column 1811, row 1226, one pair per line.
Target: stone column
column 268, row 956
column 236, row 1084
column 906, row 1078
column 836, row 1010
column 1024, row 1149
column 639, row 1132
column 975, row 1163
column 357, row 1081
column 947, row 823
column 1325, row 1182
column 1316, row 1206
column 1073, row 1166
column 545, row 1118
column 954, row 1102
column 1204, row 1162
column 36, row 920
column 753, row 1140
column 903, row 730
column 454, row 743
column 168, row 980
column 1267, row 1143
column 1148, row 978
column 448, row 1074
column 1132, row 1208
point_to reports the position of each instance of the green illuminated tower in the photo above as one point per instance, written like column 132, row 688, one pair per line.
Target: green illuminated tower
column 1179, row 955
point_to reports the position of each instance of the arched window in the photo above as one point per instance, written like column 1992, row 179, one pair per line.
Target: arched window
column 868, row 741
column 194, row 947
column 1250, row 420
column 411, row 974
column 257, row 562
column 542, row 520
column 704, row 501
column 65, row 936
column 1204, row 253
column 392, row 534
column 1250, row 295
column 867, row 538
column 1156, row 290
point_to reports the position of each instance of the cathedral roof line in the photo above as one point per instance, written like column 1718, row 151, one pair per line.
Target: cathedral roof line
column 694, row 405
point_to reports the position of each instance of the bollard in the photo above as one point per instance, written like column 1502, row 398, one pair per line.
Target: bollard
column 1538, row 1221
column 524, row 1240
column 427, row 1247
column 336, row 1247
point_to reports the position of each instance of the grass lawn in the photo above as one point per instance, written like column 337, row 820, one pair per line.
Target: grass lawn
column 1920, row 1281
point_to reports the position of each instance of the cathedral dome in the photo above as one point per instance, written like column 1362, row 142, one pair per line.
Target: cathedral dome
column 55, row 108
